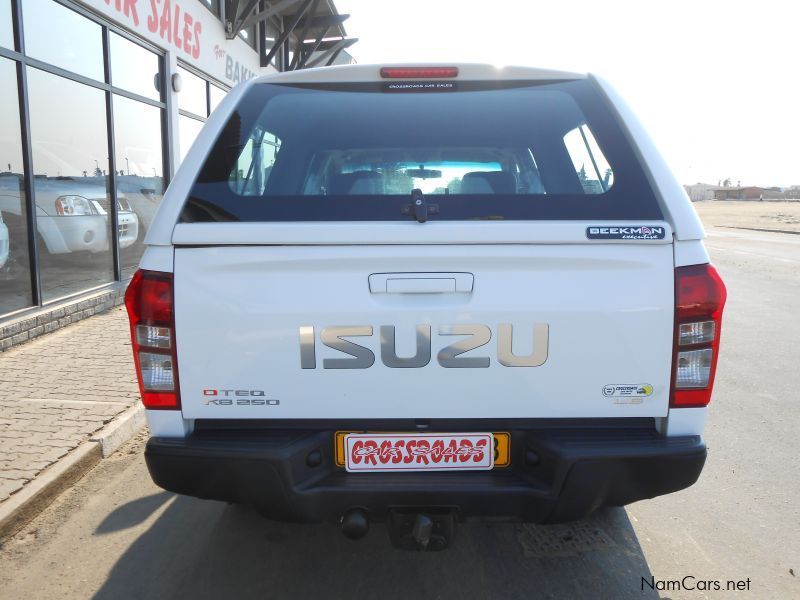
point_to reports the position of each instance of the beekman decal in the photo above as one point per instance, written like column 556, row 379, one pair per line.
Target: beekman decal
column 637, row 232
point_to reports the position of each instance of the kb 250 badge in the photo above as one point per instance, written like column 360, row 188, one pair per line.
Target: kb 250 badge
column 220, row 397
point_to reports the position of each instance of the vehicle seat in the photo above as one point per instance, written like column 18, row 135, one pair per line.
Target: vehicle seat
column 356, row 183
column 489, row 182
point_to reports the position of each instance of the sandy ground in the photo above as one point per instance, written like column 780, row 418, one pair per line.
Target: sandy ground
column 783, row 216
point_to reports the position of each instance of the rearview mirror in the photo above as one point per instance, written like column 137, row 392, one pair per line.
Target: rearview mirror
column 423, row 173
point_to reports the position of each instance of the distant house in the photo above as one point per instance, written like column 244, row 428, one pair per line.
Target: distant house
column 747, row 193
column 700, row 191
column 738, row 193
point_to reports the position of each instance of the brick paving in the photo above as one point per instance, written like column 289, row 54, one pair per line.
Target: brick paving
column 58, row 390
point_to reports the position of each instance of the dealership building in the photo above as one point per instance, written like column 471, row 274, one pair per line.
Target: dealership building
column 100, row 101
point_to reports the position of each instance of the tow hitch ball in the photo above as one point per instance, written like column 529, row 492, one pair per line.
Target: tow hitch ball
column 355, row 523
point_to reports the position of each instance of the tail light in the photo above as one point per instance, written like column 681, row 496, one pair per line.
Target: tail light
column 149, row 300
column 699, row 299
column 419, row 72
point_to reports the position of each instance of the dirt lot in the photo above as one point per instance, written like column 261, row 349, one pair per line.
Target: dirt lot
column 744, row 214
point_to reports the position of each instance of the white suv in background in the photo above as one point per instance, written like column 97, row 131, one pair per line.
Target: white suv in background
column 71, row 215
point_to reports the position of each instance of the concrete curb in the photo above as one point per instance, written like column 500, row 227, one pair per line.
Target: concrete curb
column 787, row 231
column 21, row 508
column 120, row 430
column 32, row 499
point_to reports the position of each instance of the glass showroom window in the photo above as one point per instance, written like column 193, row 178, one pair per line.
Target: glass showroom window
column 57, row 35
column 193, row 109
column 94, row 114
column 193, row 95
column 215, row 96
column 137, row 146
column 6, row 28
column 196, row 100
column 140, row 179
column 249, row 36
column 15, row 277
column 70, row 179
column 134, row 68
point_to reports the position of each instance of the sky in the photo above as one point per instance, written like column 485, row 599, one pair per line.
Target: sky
column 716, row 84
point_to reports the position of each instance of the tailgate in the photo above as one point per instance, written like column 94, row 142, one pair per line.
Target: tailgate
column 425, row 331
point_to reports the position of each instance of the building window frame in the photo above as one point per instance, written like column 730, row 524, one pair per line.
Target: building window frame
column 208, row 82
column 22, row 62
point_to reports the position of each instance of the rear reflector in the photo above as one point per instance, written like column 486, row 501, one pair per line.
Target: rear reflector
column 696, row 333
column 694, row 368
column 149, row 300
column 699, row 300
column 419, row 72
column 157, row 374
column 153, row 337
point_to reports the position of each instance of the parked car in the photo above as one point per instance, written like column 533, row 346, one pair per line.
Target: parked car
column 71, row 215
column 127, row 219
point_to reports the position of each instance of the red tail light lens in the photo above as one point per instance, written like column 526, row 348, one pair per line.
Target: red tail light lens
column 149, row 300
column 699, row 300
column 419, row 72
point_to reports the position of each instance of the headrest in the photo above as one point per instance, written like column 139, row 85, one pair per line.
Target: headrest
column 489, row 182
column 357, row 182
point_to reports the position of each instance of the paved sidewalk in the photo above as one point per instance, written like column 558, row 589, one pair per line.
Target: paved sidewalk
column 58, row 390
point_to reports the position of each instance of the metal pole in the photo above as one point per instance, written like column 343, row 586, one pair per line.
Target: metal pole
column 334, row 57
column 111, row 188
column 285, row 35
column 339, row 46
column 27, row 159
column 296, row 57
column 313, row 48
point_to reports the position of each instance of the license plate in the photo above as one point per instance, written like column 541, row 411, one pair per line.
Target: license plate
column 381, row 452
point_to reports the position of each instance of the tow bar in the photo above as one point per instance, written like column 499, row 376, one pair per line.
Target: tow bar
column 427, row 531
column 409, row 529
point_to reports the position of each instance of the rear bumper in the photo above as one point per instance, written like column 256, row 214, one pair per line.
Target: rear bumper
column 578, row 471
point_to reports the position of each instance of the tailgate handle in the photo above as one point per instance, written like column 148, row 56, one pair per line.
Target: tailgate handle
column 421, row 283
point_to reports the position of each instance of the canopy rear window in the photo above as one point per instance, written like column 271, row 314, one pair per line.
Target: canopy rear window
column 476, row 150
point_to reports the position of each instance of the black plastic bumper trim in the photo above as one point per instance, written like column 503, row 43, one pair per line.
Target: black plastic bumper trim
column 579, row 470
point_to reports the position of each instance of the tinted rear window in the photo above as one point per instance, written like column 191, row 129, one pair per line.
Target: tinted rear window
column 355, row 152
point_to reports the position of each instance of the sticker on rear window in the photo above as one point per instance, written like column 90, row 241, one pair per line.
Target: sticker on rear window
column 638, row 232
column 420, row 86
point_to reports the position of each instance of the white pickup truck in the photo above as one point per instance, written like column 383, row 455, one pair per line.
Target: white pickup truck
column 419, row 294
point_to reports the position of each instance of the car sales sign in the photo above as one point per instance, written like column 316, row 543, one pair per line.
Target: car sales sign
column 188, row 29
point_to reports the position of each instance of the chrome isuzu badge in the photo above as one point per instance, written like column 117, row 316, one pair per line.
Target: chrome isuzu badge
column 473, row 336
